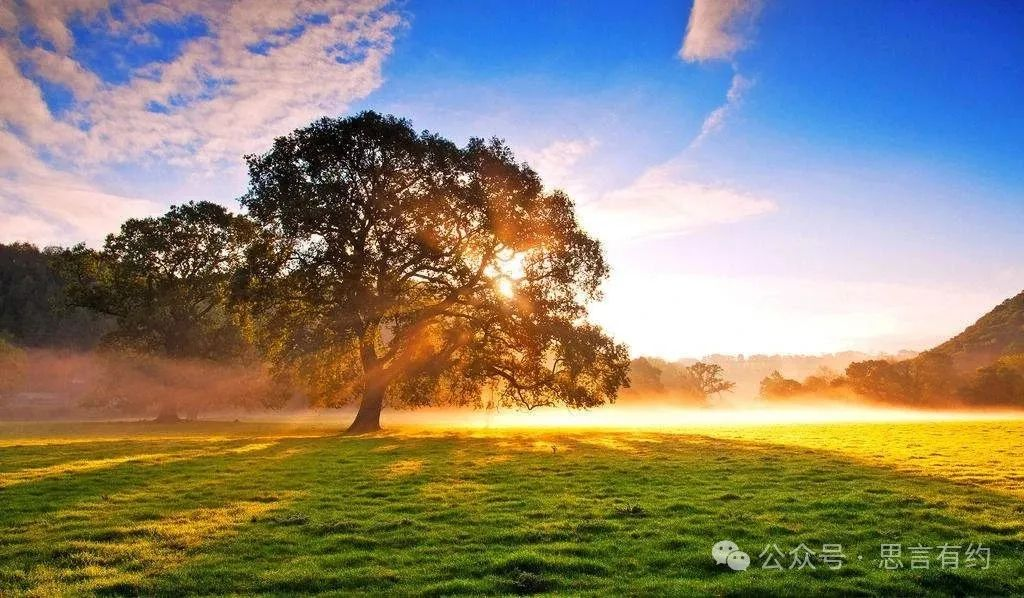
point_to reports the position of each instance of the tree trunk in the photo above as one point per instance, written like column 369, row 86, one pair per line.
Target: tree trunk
column 168, row 414
column 367, row 419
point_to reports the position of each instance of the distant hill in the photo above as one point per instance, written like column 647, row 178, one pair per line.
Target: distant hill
column 997, row 333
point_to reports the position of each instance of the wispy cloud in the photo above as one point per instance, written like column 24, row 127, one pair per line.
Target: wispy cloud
column 662, row 201
column 718, row 29
column 253, row 70
column 557, row 161
column 716, row 118
column 47, row 206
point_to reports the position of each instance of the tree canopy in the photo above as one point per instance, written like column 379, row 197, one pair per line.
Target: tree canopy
column 645, row 376
column 396, row 266
column 165, row 280
column 708, row 379
column 777, row 386
column 34, row 310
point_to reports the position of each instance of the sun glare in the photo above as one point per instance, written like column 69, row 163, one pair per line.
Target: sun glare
column 512, row 265
column 505, row 286
column 506, row 271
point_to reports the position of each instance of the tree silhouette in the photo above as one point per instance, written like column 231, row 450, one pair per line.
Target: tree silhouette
column 708, row 379
column 645, row 376
column 1001, row 383
column 777, row 386
column 396, row 266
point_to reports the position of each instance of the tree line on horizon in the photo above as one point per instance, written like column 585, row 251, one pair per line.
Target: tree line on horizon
column 36, row 313
column 931, row 379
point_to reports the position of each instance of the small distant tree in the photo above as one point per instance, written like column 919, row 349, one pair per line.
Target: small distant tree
column 394, row 266
column 776, row 386
column 644, row 376
column 935, row 376
column 824, row 381
column 708, row 379
column 997, row 384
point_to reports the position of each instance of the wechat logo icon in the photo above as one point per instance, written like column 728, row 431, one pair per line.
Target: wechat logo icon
column 726, row 552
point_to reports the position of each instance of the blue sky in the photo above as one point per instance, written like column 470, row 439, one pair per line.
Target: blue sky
column 768, row 176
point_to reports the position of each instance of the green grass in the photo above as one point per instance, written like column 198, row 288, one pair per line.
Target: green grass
column 273, row 509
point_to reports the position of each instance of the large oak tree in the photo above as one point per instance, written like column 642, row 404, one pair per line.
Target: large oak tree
column 395, row 266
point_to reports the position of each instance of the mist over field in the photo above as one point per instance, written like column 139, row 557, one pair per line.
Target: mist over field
column 67, row 384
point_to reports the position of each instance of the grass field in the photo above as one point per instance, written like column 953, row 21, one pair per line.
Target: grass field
column 232, row 508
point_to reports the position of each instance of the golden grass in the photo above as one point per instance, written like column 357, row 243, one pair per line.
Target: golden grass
column 131, row 553
column 987, row 454
column 79, row 466
column 88, row 465
column 591, row 507
column 980, row 452
column 403, row 468
column 452, row 491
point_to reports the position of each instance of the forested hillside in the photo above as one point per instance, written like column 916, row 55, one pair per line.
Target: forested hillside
column 998, row 333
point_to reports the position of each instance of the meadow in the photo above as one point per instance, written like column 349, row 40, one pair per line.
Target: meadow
column 278, row 509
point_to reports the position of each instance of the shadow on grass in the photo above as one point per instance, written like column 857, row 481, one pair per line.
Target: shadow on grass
column 497, row 515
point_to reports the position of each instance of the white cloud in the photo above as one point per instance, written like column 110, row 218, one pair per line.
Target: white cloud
column 8, row 20
column 662, row 202
column 46, row 206
column 556, row 162
column 718, row 29
column 22, row 106
column 51, row 18
column 223, row 99
column 716, row 119
column 64, row 70
column 262, row 68
column 57, row 210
